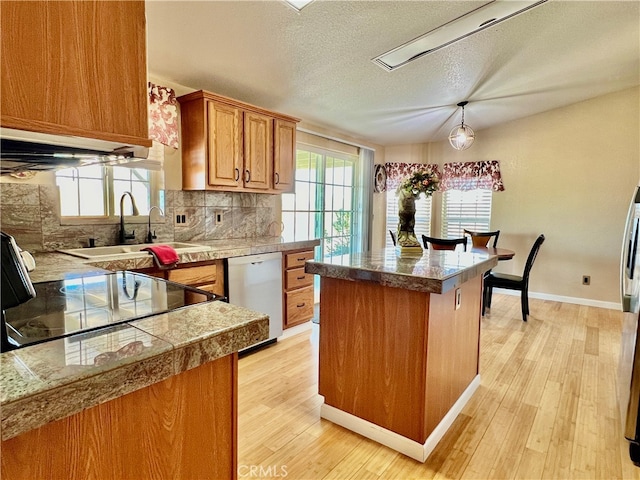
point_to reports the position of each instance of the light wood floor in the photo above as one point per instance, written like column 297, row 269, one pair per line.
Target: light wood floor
column 546, row 407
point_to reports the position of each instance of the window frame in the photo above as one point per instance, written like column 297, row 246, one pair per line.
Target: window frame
column 156, row 194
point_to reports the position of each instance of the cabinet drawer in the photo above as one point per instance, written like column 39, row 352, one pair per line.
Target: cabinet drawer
column 299, row 306
column 296, row 278
column 297, row 259
column 194, row 275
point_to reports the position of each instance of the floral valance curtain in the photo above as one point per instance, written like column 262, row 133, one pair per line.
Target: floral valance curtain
column 396, row 172
column 471, row 176
column 163, row 115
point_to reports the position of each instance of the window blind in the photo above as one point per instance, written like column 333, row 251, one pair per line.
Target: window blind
column 469, row 209
column 423, row 217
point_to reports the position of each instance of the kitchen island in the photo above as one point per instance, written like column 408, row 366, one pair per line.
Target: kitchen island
column 399, row 343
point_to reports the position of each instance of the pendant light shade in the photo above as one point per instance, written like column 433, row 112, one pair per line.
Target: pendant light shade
column 462, row 136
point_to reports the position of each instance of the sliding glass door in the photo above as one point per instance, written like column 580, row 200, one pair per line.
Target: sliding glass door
column 327, row 204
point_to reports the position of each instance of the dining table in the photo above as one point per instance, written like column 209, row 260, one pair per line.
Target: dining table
column 501, row 253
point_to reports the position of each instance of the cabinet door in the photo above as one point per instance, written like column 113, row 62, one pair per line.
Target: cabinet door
column 284, row 160
column 224, row 145
column 75, row 68
column 258, row 150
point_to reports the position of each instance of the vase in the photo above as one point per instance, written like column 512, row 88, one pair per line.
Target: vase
column 407, row 220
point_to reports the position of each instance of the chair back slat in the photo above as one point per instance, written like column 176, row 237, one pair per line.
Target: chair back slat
column 481, row 239
column 444, row 243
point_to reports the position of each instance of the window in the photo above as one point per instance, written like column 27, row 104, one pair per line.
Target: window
column 94, row 190
column 470, row 209
column 327, row 203
column 134, row 180
column 80, row 190
column 423, row 216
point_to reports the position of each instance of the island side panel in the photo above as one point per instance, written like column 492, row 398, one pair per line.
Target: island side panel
column 182, row 427
column 453, row 349
column 372, row 354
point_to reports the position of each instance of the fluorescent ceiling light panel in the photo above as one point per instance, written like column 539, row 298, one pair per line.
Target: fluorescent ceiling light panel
column 298, row 4
column 479, row 19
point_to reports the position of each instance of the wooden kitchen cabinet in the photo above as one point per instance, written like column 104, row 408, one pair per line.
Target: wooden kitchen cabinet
column 208, row 276
column 182, row 427
column 298, row 288
column 284, row 160
column 234, row 146
column 258, row 150
column 224, row 144
column 75, row 68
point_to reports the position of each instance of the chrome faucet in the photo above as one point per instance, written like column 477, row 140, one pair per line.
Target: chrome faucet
column 124, row 236
column 152, row 236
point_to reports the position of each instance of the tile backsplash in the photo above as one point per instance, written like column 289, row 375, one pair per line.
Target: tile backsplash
column 31, row 214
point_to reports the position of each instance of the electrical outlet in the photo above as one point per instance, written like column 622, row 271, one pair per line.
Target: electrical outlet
column 586, row 280
column 218, row 218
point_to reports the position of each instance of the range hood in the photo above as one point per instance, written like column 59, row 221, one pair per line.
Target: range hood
column 21, row 150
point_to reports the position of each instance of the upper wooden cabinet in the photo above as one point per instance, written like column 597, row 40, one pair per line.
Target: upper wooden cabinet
column 224, row 144
column 258, row 150
column 284, row 161
column 234, row 146
column 75, row 68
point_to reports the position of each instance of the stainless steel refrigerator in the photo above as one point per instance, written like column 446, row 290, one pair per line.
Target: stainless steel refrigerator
column 629, row 367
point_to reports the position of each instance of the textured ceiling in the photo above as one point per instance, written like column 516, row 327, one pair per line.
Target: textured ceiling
column 316, row 64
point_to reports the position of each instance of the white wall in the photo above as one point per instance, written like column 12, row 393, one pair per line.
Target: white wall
column 568, row 173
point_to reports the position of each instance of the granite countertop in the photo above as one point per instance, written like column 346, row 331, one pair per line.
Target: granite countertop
column 433, row 272
column 49, row 381
column 55, row 265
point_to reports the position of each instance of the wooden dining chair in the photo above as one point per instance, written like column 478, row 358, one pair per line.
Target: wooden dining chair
column 393, row 237
column 444, row 243
column 481, row 239
column 512, row 282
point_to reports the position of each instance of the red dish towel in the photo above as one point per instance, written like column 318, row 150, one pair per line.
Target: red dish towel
column 164, row 255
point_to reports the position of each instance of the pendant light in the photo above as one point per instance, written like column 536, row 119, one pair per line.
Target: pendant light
column 462, row 136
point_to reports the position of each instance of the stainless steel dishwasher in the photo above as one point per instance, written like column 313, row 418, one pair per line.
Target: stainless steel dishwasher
column 255, row 282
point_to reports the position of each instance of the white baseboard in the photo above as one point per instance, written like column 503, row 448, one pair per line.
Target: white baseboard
column 393, row 440
column 560, row 298
column 290, row 332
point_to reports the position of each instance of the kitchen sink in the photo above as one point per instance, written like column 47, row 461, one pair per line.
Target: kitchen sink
column 116, row 252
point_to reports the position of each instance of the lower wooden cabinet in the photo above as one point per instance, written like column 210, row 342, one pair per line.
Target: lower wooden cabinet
column 183, row 427
column 298, row 288
column 208, row 276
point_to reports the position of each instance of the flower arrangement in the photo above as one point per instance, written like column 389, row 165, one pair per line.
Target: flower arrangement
column 421, row 181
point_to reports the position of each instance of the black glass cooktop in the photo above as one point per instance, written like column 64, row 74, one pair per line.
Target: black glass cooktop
column 65, row 307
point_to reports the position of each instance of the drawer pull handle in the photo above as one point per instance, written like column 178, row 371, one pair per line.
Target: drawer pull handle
column 301, row 278
column 302, row 259
column 300, row 305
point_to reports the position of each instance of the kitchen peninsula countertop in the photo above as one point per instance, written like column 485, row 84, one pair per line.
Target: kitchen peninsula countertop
column 46, row 382
column 433, row 272
column 49, row 381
